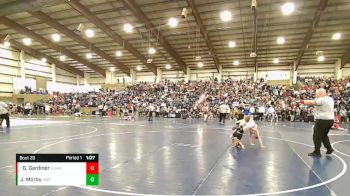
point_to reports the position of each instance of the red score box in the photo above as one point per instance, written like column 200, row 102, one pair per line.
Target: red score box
column 92, row 168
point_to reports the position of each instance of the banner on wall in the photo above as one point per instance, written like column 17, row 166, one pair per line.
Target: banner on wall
column 277, row 75
column 21, row 83
column 68, row 88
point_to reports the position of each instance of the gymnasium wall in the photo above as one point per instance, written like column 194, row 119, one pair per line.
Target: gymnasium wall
column 203, row 75
column 236, row 73
column 65, row 77
column 268, row 73
column 320, row 70
column 96, row 79
column 10, row 69
column 173, row 75
column 346, row 70
column 35, row 67
column 144, row 77
column 121, row 76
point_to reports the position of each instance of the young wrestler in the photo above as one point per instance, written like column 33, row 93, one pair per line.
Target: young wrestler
column 237, row 135
column 251, row 126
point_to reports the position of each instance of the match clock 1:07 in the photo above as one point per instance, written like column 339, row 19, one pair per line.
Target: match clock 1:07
column 91, row 157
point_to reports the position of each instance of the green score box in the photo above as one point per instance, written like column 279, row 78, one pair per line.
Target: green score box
column 92, row 180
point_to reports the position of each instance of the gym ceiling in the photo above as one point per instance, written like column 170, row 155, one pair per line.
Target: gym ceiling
column 143, row 35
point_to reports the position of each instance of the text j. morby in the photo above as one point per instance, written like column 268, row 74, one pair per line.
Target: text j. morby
column 29, row 179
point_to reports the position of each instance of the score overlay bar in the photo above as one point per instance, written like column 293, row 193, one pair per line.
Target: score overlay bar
column 57, row 169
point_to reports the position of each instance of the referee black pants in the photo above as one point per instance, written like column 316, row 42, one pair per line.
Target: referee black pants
column 321, row 130
column 7, row 119
column 222, row 117
column 150, row 116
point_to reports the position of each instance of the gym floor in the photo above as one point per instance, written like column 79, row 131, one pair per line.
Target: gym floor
column 182, row 157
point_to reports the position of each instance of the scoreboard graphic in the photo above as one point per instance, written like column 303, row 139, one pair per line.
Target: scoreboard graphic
column 57, row 170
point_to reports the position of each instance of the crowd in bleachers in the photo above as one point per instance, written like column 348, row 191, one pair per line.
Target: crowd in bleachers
column 197, row 99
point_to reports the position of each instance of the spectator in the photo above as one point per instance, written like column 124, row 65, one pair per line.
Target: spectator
column 224, row 109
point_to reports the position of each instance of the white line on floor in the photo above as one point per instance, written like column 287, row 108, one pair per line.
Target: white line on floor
column 313, row 171
column 255, row 194
column 48, row 139
column 338, row 151
column 5, row 167
column 211, row 170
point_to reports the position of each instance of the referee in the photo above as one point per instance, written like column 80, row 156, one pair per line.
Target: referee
column 4, row 114
column 324, row 115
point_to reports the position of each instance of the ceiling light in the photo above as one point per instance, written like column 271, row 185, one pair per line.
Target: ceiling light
column 151, row 50
column 172, row 22
column 200, row 64
column 56, row 37
column 276, row 61
column 225, row 16
column 89, row 33
column 128, row 28
column 138, row 68
column 236, row 63
column 62, row 58
column 168, row 66
column 320, row 58
column 336, row 36
column 253, row 55
column 27, row 41
column 88, row 55
column 281, row 40
column 112, row 69
column 198, row 58
column 43, row 60
column 288, row 8
column 7, row 44
column 232, row 44
column 118, row 53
